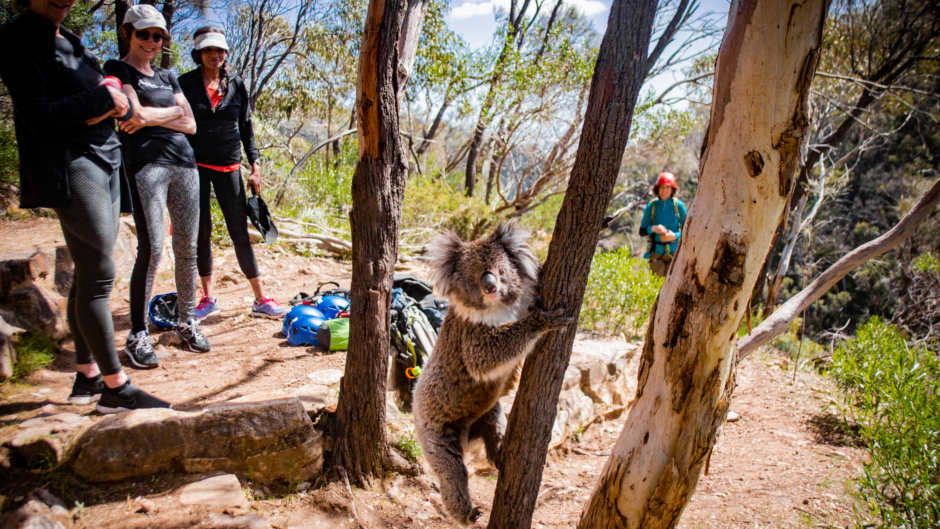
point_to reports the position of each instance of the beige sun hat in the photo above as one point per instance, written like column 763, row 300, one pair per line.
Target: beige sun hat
column 143, row 16
column 211, row 39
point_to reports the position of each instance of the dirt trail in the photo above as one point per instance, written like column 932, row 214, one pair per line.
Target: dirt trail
column 778, row 466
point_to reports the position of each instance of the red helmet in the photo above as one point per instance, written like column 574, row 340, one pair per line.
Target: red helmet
column 666, row 179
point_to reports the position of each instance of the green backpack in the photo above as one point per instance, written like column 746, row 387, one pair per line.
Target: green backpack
column 333, row 335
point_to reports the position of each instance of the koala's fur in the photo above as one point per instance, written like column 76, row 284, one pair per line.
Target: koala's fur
column 490, row 327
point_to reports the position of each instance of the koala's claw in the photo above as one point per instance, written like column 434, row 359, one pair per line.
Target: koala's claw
column 554, row 319
column 475, row 515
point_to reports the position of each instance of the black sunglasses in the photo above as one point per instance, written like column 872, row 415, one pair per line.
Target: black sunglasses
column 146, row 35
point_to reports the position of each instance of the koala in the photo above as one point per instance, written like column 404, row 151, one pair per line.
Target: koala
column 491, row 326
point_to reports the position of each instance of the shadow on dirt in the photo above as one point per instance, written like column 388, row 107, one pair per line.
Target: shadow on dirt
column 833, row 430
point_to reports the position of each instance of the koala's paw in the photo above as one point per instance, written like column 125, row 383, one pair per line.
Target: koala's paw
column 474, row 515
column 551, row 320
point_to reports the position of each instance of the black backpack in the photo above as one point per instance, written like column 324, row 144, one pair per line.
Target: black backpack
column 416, row 317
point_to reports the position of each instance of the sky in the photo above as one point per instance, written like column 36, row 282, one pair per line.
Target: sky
column 474, row 21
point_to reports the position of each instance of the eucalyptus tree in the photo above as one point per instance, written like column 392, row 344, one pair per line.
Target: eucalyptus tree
column 263, row 36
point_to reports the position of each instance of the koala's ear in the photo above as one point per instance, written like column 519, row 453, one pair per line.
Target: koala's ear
column 515, row 241
column 445, row 252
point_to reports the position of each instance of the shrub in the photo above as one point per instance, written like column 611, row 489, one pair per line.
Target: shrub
column 891, row 392
column 620, row 293
column 34, row 350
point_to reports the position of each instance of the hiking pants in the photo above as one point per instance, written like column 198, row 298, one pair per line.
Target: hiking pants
column 230, row 192
column 90, row 226
column 155, row 188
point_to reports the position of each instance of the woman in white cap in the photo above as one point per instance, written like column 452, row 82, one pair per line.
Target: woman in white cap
column 220, row 104
column 162, row 172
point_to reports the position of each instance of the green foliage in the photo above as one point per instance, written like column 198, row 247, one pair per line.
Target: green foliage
column 891, row 390
column 620, row 293
column 410, row 448
column 9, row 156
column 34, row 350
column 431, row 205
column 928, row 262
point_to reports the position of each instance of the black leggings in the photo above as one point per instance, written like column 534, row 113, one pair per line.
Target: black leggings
column 90, row 226
column 230, row 192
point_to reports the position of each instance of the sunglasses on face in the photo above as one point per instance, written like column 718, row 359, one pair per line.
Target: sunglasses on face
column 146, row 35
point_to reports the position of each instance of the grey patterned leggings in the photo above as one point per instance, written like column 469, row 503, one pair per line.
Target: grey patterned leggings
column 155, row 188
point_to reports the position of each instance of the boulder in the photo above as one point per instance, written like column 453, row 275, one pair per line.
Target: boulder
column 28, row 293
column 42, row 510
column 596, row 387
column 41, row 441
column 264, row 441
column 221, row 492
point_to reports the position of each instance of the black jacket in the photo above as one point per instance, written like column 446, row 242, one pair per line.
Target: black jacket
column 49, row 108
column 220, row 132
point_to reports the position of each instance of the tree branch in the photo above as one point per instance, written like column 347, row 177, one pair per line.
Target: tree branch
column 781, row 318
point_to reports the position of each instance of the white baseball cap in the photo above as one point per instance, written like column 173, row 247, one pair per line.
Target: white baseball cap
column 211, row 39
column 143, row 16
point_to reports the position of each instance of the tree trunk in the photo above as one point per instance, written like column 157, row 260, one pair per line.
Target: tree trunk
column 377, row 190
column 751, row 152
column 618, row 74
column 169, row 9
column 120, row 9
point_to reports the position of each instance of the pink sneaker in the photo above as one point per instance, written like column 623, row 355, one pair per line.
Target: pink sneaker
column 206, row 307
column 268, row 308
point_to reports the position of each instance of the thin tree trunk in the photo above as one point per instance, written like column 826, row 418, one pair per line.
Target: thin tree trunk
column 169, row 9
column 120, row 9
column 378, row 189
column 757, row 127
column 780, row 320
column 618, row 74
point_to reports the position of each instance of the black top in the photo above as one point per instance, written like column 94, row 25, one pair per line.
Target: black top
column 152, row 144
column 220, row 132
column 54, row 87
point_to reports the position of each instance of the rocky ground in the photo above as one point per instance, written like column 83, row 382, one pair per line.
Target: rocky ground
column 782, row 464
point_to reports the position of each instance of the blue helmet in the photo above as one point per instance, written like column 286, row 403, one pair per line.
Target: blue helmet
column 303, row 330
column 298, row 311
column 331, row 305
column 162, row 310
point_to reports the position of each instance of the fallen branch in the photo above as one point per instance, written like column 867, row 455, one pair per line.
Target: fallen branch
column 780, row 320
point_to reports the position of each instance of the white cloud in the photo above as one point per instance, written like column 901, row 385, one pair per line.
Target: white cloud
column 469, row 9
column 587, row 8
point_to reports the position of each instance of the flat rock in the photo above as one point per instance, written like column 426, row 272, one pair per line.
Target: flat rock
column 40, row 442
column 226, row 521
column 326, row 377
column 223, row 492
column 42, row 510
column 264, row 441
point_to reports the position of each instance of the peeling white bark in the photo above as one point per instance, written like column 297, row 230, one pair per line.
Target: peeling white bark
column 758, row 122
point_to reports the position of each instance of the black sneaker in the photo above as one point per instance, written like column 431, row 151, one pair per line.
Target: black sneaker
column 127, row 397
column 139, row 351
column 192, row 337
column 86, row 390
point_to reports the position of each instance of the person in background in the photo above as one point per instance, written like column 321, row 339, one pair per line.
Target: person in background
column 223, row 125
column 662, row 223
column 162, row 173
column 70, row 156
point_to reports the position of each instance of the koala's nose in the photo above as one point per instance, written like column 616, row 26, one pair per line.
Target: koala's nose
column 489, row 283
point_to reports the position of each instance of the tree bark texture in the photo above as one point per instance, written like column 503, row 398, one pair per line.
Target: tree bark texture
column 377, row 190
column 408, row 41
column 757, row 127
column 779, row 321
column 618, row 75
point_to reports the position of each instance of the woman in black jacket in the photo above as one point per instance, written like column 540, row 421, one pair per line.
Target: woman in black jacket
column 69, row 160
column 223, row 124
